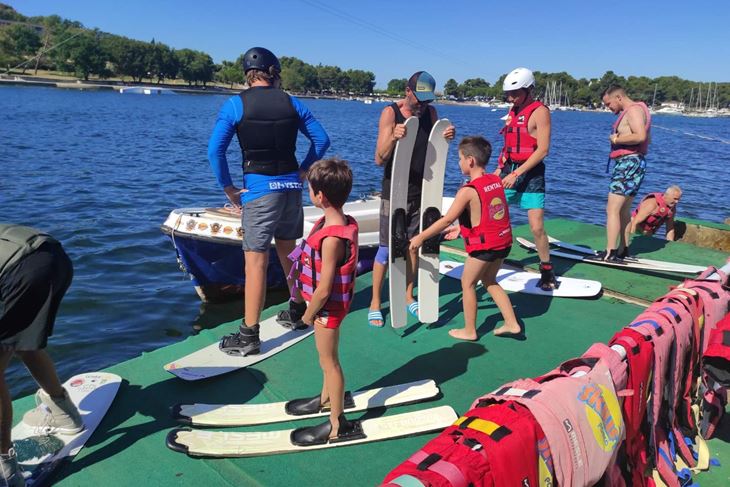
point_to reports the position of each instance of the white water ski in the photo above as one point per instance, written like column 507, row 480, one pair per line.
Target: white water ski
column 587, row 258
column 397, row 231
column 39, row 453
column 210, row 361
column 526, row 282
column 432, row 192
column 657, row 264
column 206, row 443
column 252, row 414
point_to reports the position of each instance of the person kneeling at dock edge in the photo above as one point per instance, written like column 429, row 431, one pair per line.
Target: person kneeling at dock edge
column 324, row 271
column 35, row 273
column 266, row 121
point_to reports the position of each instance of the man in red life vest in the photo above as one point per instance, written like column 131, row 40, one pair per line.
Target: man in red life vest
column 630, row 137
column 655, row 210
column 521, row 163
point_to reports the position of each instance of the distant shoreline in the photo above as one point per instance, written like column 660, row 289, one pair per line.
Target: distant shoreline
column 167, row 88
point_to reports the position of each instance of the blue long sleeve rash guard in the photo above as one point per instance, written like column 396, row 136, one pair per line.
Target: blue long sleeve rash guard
column 258, row 184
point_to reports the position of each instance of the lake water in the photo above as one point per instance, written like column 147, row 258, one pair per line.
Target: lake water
column 100, row 171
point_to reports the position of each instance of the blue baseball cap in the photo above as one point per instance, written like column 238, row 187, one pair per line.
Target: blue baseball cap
column 422, row 85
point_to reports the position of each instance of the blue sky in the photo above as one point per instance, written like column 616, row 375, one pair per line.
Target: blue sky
column 450, row 39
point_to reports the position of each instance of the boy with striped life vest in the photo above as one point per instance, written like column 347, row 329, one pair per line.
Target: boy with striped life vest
column 630, row 137
column 324, row 269
column 655, row 210
column 481, row 208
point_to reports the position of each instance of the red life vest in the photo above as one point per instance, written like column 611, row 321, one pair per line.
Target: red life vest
column 308, row 266
column 494, row 231
column 717, row 355
column 658, row 216
column 620, row 150
column 478, row 450
column 519, row 145
column 640, row 358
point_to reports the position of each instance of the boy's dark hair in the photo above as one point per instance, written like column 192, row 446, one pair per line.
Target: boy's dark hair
column 477, row 147
column 613, row 89
column 333, row 177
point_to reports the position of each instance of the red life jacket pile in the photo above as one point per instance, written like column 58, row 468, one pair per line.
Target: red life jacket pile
column 635, row 412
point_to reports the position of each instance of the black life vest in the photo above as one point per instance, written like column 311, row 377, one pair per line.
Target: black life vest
column 267, row 133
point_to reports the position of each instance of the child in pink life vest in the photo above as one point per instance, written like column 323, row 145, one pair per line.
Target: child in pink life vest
column 324, row 270
column 481, row 208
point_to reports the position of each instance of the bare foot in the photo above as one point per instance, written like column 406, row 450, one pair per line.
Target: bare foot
column 462, row 334
column 508, row 329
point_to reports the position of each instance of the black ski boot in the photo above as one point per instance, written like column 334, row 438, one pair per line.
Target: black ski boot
column 292, row 317
column 245, row 342
column 624, row 254
column 547, row 281
column 313, row 405
column 320, row 434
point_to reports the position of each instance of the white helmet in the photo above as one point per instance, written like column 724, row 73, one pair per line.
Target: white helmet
column 519, row 78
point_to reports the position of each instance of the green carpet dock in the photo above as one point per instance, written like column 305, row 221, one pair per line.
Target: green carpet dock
column 128, row 448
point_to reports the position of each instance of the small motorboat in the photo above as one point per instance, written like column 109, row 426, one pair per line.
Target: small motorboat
column 208, row 245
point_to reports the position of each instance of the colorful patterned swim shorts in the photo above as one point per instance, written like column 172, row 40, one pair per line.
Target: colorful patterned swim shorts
column 628, row 173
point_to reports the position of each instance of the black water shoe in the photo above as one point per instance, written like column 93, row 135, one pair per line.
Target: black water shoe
column 320, row 434
column 313, row 405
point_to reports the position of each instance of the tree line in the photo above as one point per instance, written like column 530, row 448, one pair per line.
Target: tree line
column 58, row 44
column 588, row 91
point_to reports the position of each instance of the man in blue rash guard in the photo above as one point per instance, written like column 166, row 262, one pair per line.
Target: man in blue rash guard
column 266, row 121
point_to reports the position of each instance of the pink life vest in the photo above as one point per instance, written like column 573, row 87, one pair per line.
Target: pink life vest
column 640, row 359
column 657, row 218
column 494, row 231
column 659, row 329
column 519, row 145
column 681, row 313
column 581, row 418
column 715, row 296
column 716, row 358
column 478, row 450
column 620, row 150
column 307, row 266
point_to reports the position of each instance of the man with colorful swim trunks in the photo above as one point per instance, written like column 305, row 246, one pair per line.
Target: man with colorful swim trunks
column 630, row 137
column 521, row 164
column 266, row 121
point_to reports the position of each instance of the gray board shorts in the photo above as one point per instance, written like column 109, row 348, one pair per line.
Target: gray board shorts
column 275, row 215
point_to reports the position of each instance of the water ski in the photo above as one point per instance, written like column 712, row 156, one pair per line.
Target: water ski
column 658, row 265
column 206, row 443
column 39, row 452
column 222, row 415
column 526, row 282
column 397, row 228
column 210, row 361
column 432, row 191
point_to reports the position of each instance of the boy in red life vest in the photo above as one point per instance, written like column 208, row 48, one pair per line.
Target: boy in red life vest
column 324, row 274
column 655, row 210
column 481, row 208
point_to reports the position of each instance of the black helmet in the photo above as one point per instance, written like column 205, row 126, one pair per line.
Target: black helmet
column 261, row 59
